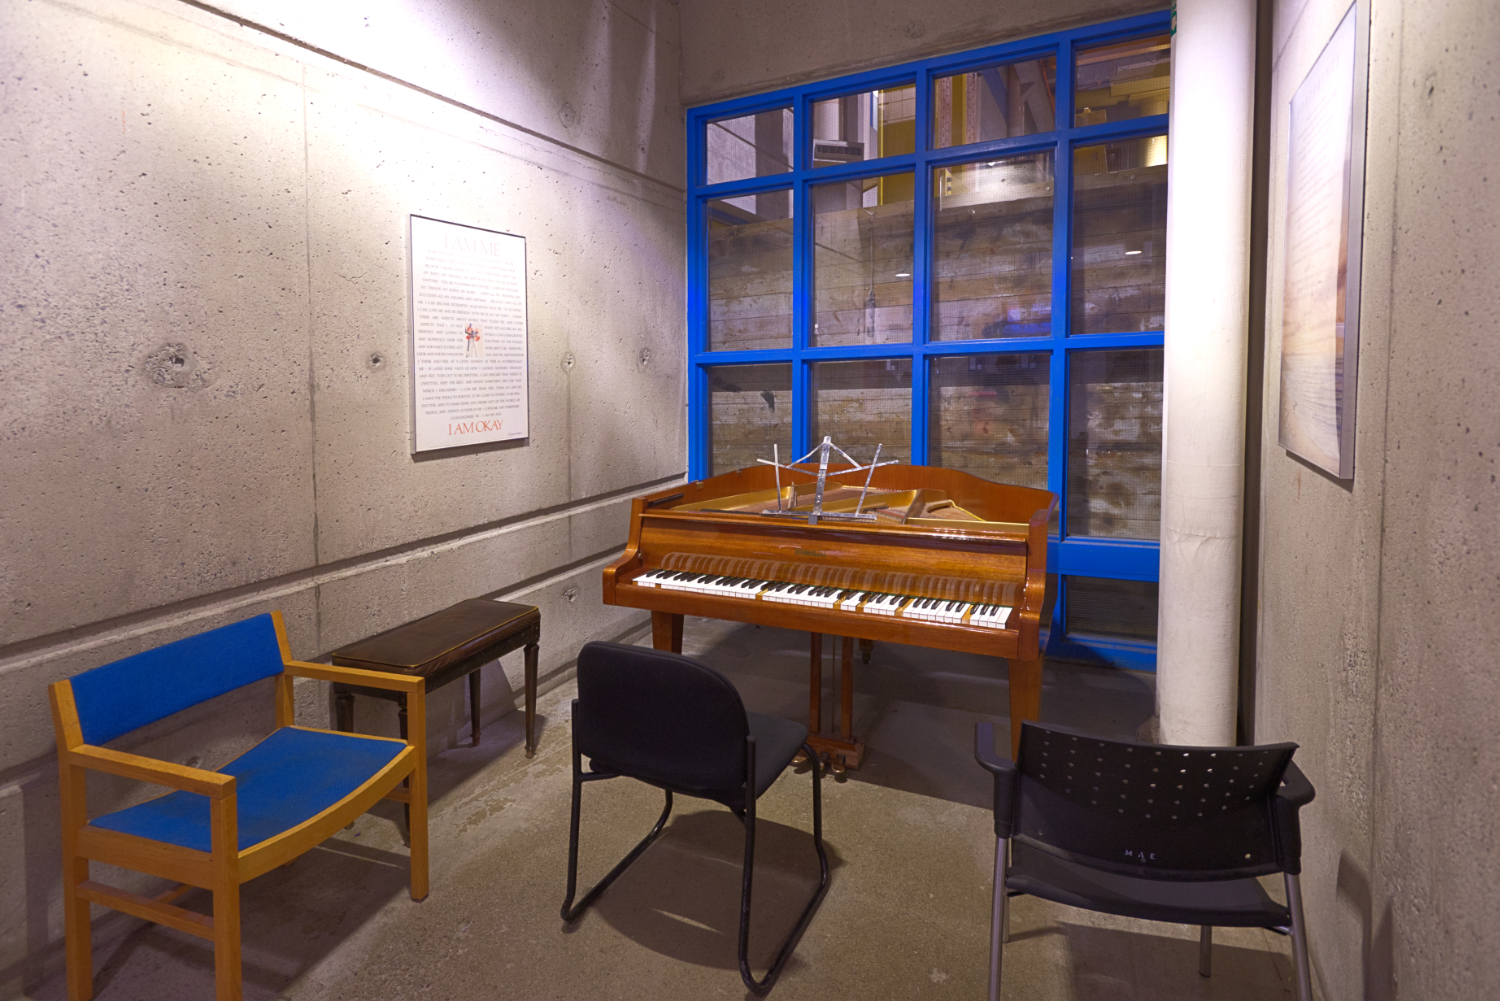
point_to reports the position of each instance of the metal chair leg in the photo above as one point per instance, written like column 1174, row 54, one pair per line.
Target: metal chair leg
column 999, row 916
column 1206, row 951
column 569, row 912
column 762, row 987
column 1299, row 937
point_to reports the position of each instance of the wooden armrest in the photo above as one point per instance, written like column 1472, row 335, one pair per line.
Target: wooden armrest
column 135, row 766
column 356, row 676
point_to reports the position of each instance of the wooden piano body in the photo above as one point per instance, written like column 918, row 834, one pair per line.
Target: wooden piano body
column 997, row 558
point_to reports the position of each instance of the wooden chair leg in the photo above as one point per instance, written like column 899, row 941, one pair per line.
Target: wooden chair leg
column 416, row 817
column 79, row 949
column 224, row 838
column 228, row 980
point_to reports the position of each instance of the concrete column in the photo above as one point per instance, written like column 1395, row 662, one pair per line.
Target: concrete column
column 1202, row 479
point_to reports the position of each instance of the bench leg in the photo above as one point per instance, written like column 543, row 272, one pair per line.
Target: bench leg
column 343, row 709
column 401, row 725
column 531, row 652
column 474, row 705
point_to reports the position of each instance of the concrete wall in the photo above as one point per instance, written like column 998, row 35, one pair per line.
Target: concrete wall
column 1378, row 616
column 203, row 345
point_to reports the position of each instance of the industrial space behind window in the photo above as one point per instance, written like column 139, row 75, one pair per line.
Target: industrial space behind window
column 962, row 259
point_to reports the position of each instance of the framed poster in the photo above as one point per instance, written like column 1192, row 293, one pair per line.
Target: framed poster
column 468, row 335
column 1324, row 231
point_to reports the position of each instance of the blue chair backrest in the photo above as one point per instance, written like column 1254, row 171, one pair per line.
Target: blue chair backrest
column 128, row 694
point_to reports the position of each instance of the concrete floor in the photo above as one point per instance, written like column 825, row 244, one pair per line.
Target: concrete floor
column 906, row 916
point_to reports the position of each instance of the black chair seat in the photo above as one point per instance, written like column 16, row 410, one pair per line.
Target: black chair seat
column 1238, row 903
column 777, row 742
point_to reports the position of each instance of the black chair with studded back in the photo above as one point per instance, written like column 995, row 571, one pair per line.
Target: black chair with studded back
column 1161, row 832
column 679, row 725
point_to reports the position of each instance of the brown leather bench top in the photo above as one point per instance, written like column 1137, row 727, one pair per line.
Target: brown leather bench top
column 432, row 642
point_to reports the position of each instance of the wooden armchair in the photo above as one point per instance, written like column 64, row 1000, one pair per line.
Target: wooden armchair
column 218, row 829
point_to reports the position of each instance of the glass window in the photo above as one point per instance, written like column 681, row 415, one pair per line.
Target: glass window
column 944, row 248
column 749, row 146
column 1119, row 253
column 862, row 261
column 750, row 409
column 750, row 272
column 862, row 404
column 1114, row 443
column 988, row 416
column 865, row 126
column 1126, row 80
column 992, row 248
column 995, row 102
column 1098, row 606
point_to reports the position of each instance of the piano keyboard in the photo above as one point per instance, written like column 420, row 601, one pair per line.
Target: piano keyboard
column 905, row 606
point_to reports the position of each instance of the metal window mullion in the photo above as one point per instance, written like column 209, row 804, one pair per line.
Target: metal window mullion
column 1062, row 245
column 921, row 270
column 803, row 227
column 1057, row 369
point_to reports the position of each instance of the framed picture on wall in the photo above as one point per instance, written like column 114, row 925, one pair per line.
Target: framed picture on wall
column 468, row 335
column 1323, row 236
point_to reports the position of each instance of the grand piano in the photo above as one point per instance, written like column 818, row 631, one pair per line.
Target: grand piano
column 906, row 554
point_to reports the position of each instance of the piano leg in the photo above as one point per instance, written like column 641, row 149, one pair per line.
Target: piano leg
column 866, row 647
column 815, row 686
column 666, row 631
column 1025, row 698
column 844, row 750
column 846, row 694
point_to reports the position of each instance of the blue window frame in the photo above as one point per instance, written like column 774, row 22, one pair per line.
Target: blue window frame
column 1071, row 553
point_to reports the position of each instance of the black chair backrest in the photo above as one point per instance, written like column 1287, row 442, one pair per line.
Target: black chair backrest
column 662, row 718
column 1147, row 810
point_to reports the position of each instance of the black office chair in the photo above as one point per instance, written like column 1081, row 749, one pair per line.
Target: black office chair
column 674, row 723
column 1161, row 832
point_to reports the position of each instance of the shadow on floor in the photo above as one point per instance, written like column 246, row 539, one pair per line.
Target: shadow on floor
column 1113, row 965
column 914, row 707
column 681, row 899
column 291, row 919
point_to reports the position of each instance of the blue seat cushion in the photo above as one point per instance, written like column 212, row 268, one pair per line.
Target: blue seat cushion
column 290, row 777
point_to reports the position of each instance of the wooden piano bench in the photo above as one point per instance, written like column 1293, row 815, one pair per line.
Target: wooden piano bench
column 443, row 647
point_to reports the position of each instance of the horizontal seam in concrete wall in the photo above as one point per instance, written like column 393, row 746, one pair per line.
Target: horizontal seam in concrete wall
column 46, row 648
column 326, row 54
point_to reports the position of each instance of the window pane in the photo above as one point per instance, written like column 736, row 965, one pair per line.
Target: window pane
column 750, row 146
column 862, row 233
column 1114, row 443
column 1098, row 606
column 749, row 410
column 996, row 102
column 750, row 272
column 988, row 416
column 1122, row 81
column 1119, row 251
column 865, row 126
column 992, row 252
column 863, row 404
